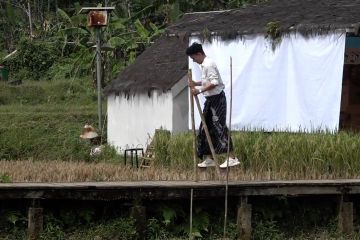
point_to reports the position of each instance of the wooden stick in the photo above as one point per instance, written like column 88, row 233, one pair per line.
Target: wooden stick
column 228, row 153
column 208, row 137
column 193, row 127
column 194, row 154
column 191, row 237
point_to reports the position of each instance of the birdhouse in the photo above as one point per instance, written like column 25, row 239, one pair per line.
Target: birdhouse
column 97, row 16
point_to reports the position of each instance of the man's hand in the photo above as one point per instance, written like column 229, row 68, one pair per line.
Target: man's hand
column 195, row 91
column 191, row 83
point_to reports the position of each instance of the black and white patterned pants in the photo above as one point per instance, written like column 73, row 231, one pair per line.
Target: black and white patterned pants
column 215, row 117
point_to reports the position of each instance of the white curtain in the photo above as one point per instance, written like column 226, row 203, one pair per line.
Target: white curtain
column 296, row 87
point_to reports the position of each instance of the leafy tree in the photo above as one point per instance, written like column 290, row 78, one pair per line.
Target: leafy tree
column 134, row 25
column 11, row 25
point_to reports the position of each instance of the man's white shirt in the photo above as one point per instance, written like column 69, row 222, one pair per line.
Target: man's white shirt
column 210, row 73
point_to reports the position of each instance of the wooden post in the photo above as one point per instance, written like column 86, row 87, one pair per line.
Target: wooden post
column 194, row 154
column 35, row 220
column 346, row 216
column 138, row 213
column 193, row 127
column 244, row 219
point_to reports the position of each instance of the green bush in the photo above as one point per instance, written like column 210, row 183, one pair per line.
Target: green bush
column 267, row 230
column 116, row 229
column 12, row 224
column 33, row 59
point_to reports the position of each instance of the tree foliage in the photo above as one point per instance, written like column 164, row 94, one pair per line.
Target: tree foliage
column 133, row 26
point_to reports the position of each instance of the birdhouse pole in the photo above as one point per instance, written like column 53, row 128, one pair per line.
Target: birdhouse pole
column 98, row 17
column 98, row 74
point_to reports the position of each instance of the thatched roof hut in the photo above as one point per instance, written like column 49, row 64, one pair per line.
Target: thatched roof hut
column 163, row 66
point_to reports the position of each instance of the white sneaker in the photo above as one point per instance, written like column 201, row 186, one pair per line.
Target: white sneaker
column 207, row 163
column 232, row 162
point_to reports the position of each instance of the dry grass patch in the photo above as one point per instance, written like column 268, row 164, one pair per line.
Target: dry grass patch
column 61, row 171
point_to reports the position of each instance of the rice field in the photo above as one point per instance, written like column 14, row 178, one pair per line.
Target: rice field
column 275, row 156
column 263, row 156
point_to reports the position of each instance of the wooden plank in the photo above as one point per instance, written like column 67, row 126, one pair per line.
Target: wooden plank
column 180, row 183
column 175, row 189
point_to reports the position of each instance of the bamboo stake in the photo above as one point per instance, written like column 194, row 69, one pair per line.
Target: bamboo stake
column 191, row 213
column 208, row 137
column 228, row 153
column 193, row 127
column 194, row 153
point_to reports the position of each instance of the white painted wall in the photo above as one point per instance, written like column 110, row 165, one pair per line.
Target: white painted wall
column 131, row 121
column 180, row 116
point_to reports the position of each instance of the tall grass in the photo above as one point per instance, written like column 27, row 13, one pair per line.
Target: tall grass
column 277, row 155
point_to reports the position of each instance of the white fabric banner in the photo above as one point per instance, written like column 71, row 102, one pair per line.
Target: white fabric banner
column 295, row 88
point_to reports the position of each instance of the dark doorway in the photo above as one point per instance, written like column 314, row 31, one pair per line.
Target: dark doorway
column 350, row 97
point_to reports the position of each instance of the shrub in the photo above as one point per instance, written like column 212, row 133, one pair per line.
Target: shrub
column 33, row 59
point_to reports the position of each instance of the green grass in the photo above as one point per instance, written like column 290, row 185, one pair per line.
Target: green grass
column 43, row 136
column 43, row 120
column 57, row 92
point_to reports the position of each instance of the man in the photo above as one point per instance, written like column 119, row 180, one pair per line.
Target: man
column 214, row 110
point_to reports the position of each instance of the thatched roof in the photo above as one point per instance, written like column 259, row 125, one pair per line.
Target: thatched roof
column 158, row 67
column 165, row 62
column 304, row 16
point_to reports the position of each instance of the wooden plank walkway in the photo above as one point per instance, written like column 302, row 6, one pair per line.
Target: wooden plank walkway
column 37, row 193
column 175, row 189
